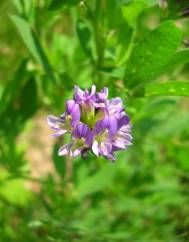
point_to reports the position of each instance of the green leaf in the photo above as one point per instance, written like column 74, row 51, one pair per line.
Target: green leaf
column 14, row 190
column 84, row 35
column 12, row 87
column 113, row 14
column 171, row 88
column 150, row 56
column 59, row 161
column 132, row 8
column 131, row 11
column 173, row 126
column 28, row 100
column 58, row 4
column 24, row 7
column 66, row 80
column 147, row 2
column 114, row 72
column 97, row 182
column 180, row 57
column 182, row 155
column 176, row 8
column 31, row 41
column 123, row 43
column 18, row 5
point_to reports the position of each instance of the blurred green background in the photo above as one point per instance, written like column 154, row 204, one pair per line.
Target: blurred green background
column 135, row 49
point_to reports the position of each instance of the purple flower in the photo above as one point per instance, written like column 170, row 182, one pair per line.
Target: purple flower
column 111, row 135
column 102, row 95
column 73, row 112
column 67, row 121
column 82, row 138
column 101, row 98
column 122, row 137
column 95, row 123
column 58, row 124
column 84, row 97
column 86, row 101
column 102, row 144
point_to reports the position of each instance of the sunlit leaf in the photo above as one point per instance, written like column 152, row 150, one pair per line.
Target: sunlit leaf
column 33, row 44
column 180, row 57
column 151, row 54
column 131, row 11
column 14, row 190
column 97, row 182
column 148, row 2
column 171, row 88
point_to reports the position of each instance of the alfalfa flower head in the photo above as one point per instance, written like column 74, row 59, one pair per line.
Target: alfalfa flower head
column 94, row 122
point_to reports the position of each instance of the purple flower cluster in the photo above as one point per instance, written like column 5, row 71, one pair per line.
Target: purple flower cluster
column 94, row 122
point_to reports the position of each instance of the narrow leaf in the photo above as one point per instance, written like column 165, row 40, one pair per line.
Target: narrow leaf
column 171, row 88
column 59, row 161
column 28, row 100
column 58, row 4
column 181, row 57
column 12, row 87
column 147, row 2
column 84, row 36
column 32, row 42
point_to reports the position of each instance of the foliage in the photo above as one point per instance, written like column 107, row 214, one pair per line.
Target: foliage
column 139, row 49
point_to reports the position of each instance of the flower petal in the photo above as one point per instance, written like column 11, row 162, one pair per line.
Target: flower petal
column 61, row 132
column 101, row 125
column 81, row 131
column 69, row 106
column 65, row 150
column 103, row 95
column 112, row 125
column 95, row 148
column 93, row 90
column 78, row 94
column 76, row 152
column 54, row 121
column 75, row 115
column 111, row 157
column 89, row 138
column 119, row 143
column 123, row 121
column 105, row 148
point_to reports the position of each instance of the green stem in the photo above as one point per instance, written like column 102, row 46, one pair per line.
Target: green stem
column 99, row 40
column 130, row 48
